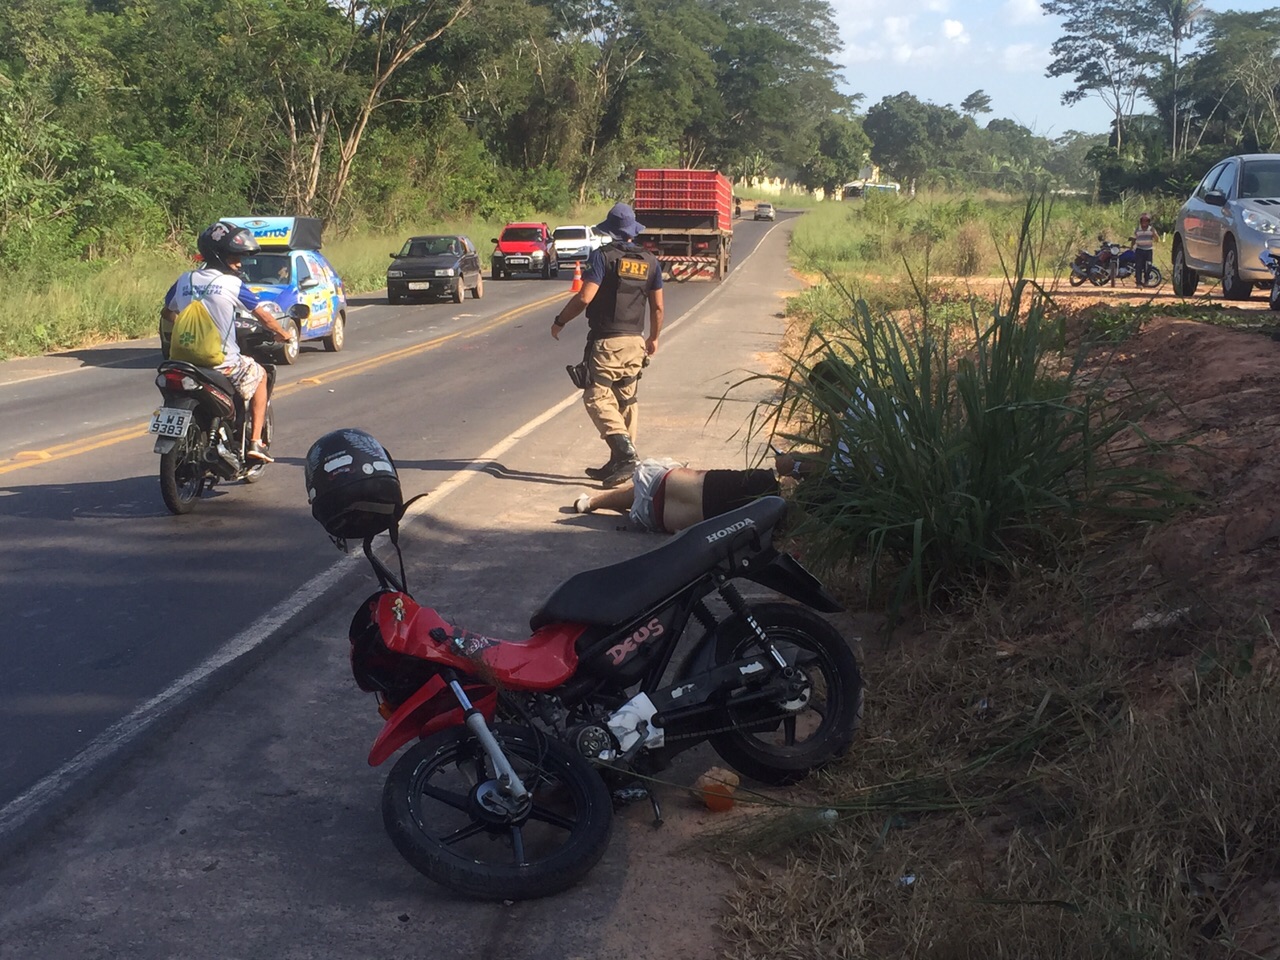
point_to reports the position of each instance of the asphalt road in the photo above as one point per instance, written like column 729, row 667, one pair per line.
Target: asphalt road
column 111, row 605
column 245, row 822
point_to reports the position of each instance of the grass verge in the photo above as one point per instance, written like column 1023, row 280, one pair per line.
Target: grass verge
column 1037, row 775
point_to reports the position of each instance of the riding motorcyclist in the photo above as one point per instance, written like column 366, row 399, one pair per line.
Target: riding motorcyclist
column 219, row 286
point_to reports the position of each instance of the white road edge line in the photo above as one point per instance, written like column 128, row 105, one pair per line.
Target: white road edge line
column 116, row 737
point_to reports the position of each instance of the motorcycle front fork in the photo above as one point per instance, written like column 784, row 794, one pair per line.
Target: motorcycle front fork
column 509, row 782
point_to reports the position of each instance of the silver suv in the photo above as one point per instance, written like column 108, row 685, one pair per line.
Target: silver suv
column 1223, row 229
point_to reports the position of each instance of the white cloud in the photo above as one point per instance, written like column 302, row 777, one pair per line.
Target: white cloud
column 954, row 31
column 1024, row 58
column 1023, row 11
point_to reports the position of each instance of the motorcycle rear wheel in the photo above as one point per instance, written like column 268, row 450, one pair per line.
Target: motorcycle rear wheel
column 432, row 812
column 771, row 750
column 182, row 472
column 1075, row 279
column 254, row 473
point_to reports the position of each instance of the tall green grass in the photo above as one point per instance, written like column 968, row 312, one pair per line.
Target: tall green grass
column 943, row 234
column 971, row 439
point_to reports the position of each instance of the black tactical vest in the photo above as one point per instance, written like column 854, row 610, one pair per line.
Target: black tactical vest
column 618, row 308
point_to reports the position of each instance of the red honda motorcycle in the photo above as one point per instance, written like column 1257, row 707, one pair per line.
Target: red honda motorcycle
column 506, row 793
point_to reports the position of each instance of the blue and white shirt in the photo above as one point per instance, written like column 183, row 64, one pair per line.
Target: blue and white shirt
column 220, row 292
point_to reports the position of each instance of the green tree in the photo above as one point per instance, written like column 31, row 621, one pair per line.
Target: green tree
column 976, row 102
column 1177, row 20
column 1105, row 50
column 842, row 149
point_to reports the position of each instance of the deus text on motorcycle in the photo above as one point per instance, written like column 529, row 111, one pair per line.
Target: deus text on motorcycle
column 202, row 426
column 506, row 792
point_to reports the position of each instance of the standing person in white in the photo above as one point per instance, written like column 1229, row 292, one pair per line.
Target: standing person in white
column 1144, row 242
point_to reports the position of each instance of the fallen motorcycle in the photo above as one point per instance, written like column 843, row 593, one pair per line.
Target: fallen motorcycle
column 203, row 426
column 506, row 794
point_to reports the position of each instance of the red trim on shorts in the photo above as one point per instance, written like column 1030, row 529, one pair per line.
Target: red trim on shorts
column 659, row 501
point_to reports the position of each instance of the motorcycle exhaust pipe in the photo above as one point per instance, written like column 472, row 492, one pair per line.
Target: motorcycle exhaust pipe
column 223, row 462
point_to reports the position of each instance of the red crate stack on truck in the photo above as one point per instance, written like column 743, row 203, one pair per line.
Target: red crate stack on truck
column 688, row 219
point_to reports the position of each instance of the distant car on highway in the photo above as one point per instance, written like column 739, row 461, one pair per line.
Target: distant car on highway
column 765, row 211
column 524, row 248
column 435, row 265
column 1231, row 218
column 575, row 242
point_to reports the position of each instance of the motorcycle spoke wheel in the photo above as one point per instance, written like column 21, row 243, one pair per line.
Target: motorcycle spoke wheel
column 782, row 741
column 435, row 811
column 254, row 474
column 182, row 472
column 1075, row 279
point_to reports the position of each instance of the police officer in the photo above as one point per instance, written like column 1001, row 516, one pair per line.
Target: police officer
column 621, row 280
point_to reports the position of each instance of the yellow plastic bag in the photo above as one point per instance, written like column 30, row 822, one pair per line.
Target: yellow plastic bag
column 195, row 337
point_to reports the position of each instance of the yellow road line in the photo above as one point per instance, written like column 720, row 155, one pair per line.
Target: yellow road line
column 28, row 458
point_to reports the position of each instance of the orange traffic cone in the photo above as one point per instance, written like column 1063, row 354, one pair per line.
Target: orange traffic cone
column 577, row 277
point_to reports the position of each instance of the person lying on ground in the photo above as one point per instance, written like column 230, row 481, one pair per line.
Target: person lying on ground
column 664, row 496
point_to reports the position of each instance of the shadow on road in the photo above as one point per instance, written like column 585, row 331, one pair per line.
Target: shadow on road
column 494, row 469
column 105, row 499
column 125, row 358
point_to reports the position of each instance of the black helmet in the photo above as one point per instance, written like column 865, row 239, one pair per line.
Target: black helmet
column 352, row 485
column 224, row 240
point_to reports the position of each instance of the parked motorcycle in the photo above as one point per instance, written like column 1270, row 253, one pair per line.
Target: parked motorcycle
column 1271, row 261
column 203, row 424
column 506, row 793
column 1096, row 267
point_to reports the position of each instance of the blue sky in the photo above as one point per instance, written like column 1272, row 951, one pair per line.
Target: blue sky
column 943, row 50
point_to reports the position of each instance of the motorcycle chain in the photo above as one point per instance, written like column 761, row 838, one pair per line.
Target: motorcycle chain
column 728, row 729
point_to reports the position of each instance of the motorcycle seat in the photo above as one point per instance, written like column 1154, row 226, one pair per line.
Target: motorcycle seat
column 621, row 591
column 205, row 373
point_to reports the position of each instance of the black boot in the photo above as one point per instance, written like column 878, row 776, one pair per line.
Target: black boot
column 623, row 463
column 618, row 456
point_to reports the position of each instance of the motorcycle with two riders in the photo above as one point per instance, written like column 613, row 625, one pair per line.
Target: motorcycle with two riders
column 203, row 425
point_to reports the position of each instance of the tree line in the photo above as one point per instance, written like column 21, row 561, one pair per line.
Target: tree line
column 125, row 123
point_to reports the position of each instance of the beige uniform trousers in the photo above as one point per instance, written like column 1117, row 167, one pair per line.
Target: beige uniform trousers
column 613, row 409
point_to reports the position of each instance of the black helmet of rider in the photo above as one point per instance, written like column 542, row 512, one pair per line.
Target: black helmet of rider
column 352, row 485
column 224, row 241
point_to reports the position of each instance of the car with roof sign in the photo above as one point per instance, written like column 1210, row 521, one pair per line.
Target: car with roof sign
column 290, row 269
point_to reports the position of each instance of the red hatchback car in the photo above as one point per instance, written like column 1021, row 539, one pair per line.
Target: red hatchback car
column 525, row 248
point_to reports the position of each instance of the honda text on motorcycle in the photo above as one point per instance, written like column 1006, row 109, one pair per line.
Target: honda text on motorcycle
column 505, row 792
column 202, row 426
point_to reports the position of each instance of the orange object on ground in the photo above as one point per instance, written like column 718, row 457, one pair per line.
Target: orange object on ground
column 577, row 277
column 715, row 789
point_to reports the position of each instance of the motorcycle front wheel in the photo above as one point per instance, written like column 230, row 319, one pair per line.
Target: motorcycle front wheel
column 182, row 472
column 783, row 741
column 1154, row 277
column 440, row 804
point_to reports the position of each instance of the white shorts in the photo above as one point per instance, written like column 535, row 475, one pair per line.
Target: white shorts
column 647, row 475
column 245, row 374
